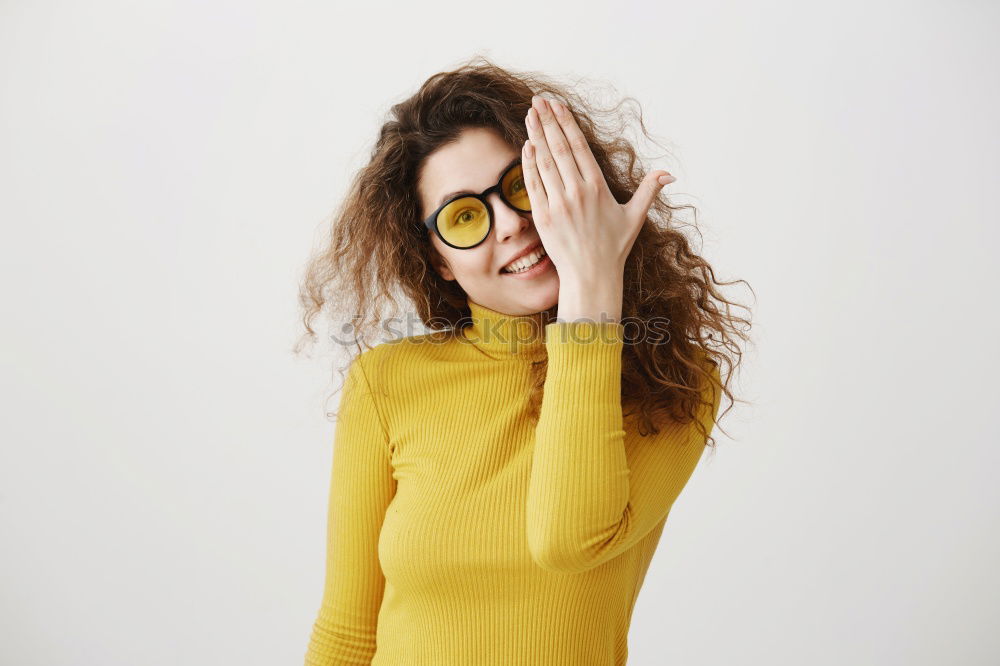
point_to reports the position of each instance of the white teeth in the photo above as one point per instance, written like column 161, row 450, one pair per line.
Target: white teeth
column 525, row 262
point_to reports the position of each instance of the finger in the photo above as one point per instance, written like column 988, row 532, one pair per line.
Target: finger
column 558, row 146
column 638, row 206
column 544, row 162
column 533, row 183
column 590, row 170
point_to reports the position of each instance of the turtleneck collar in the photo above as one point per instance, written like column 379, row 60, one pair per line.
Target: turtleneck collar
column 501, row 335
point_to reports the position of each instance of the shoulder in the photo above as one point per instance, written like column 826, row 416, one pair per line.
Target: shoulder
column 390, row 359
column 711, row 389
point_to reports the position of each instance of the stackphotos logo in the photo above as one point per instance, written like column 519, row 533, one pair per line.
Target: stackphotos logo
column 630, row 330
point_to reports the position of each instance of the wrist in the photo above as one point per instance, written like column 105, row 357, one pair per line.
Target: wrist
column 598, row 300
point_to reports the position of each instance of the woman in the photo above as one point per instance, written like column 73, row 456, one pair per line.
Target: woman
column 500, row 483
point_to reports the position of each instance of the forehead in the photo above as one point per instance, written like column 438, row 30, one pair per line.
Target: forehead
column 473, row 162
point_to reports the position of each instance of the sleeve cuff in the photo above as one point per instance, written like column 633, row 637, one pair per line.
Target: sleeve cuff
column 584, row 362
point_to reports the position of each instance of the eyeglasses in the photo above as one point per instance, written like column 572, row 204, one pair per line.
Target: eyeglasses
column 464, row 221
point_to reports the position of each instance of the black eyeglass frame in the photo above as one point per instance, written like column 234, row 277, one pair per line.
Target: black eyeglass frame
column 431, row 221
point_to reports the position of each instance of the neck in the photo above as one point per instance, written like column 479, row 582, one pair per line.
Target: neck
column 502, row 335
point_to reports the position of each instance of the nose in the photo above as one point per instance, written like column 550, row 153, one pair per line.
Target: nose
column 507, row 222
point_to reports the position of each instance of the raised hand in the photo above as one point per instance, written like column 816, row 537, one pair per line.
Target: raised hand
column 586, row 233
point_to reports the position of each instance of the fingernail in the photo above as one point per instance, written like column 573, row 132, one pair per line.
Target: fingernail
column 557, row 107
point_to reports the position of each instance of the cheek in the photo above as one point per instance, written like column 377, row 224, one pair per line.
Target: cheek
column 484, row 262
column 471, row 263
column 444, row 253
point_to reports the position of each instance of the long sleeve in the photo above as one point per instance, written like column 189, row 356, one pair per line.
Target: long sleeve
column 361, row 487
column 592, row 495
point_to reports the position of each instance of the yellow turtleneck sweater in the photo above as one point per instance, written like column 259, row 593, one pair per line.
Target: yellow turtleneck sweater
column 460, row 534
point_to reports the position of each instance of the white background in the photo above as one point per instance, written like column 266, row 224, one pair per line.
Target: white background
column 165, row 168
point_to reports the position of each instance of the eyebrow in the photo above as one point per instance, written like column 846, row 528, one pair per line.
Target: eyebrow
column 457, row 192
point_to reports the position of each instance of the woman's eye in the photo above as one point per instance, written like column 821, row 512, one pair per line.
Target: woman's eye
column 517, row 185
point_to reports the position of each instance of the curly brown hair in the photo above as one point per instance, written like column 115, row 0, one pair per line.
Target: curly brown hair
column 379, row 252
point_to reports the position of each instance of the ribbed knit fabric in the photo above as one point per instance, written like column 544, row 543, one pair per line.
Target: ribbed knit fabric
column 460, row 533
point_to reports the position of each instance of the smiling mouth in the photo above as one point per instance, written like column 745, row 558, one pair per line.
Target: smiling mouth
column 525, row 263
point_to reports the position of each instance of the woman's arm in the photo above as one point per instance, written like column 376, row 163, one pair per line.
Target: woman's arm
column 591, row 497
column 361, row 488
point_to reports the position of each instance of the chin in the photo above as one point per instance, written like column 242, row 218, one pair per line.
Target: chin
column 531, row 301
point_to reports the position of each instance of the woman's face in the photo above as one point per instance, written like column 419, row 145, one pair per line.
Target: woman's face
column 472, row 164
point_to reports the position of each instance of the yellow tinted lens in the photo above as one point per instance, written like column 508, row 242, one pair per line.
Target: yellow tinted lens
column 514, row 189
column 464, row 222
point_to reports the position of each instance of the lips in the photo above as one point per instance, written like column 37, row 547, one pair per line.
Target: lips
column 528, row 250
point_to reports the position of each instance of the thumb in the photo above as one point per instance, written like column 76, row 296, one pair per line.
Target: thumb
column 649, row 189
